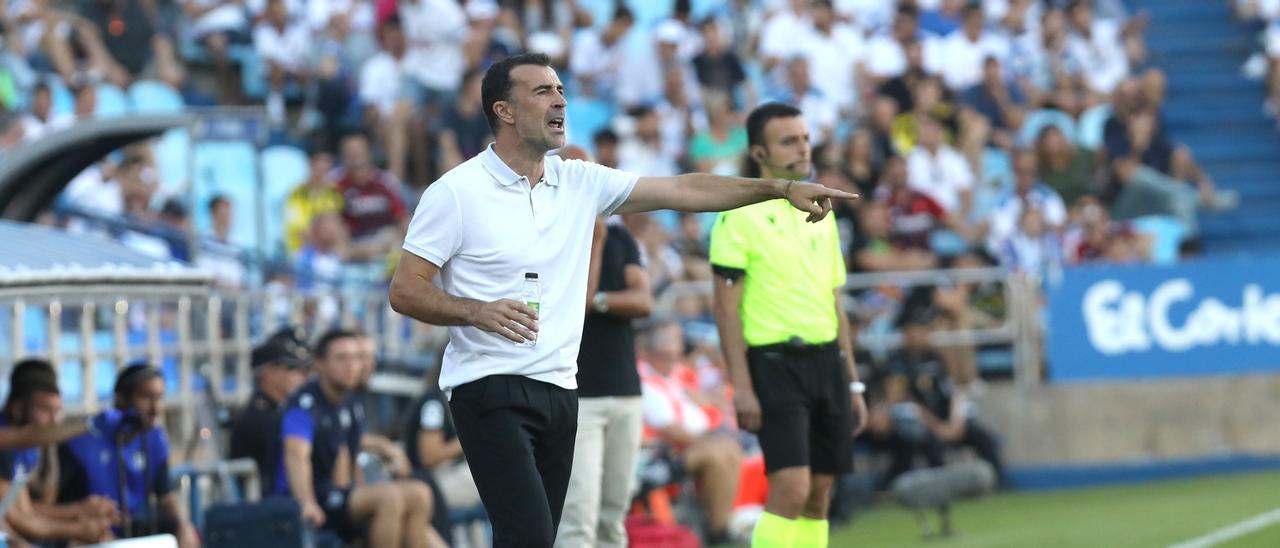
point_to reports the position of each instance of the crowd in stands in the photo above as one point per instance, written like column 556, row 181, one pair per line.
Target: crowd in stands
column 1021, row 133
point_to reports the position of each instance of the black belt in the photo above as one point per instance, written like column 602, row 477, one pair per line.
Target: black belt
column 795, row 345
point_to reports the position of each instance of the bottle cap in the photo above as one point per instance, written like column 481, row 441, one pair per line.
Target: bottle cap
column 531, row 276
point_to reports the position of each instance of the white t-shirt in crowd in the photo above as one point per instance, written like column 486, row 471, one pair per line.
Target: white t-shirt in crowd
column 781, row 38
column 832, row 58
column 380, row 81
column 1008, row 211
column 868, row 15
column 486, row 228
column 960, row 59
column 291, row 48
column 435, row 30
column 942, row 176
column 1101, row 56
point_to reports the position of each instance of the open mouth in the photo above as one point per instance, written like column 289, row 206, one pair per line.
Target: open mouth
column 556, row 123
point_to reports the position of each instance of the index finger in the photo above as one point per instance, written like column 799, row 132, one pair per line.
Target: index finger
column 837, row 193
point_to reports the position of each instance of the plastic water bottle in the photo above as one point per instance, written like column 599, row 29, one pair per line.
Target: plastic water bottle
column 531, row 295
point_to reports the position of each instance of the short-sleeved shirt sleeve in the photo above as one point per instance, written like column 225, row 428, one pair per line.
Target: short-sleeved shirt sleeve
column 298, row 423
column 611, row 187
column 729, row 241
column 435, row 233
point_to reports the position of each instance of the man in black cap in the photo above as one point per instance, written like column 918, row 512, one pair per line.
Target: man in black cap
column 280, row 366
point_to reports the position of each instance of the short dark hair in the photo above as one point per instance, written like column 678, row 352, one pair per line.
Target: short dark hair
column 496, row 85
column 217, row 200
column 31, row 376
column 41, row 87
column 331, row 336
column 623, row 12
column 131, row 377
column 756, row 121
column 606, row 136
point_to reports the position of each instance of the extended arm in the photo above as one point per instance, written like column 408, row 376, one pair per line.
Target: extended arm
column 705, row 192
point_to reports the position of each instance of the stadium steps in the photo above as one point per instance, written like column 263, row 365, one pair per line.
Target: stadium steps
column 1213, row 109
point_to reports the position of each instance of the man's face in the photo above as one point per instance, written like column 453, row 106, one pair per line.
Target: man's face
column 368, row 358
column 1024, row 170
column 148, row 400
column 86, row 102
column 711, row 36
column 668, row 343
column 973, row 23
column 904, row 27
column 320, row 165
column 222, row 214
column 43, row 408
column 355, row 153
column 341, row 366
column 42, row 104
column 930, row 134
column 786, row 152
column 647, row 126
column 798, row 74
column 822, row 17
column 1081, row 16
column 537, row 105
column 393, row 40
column 607, row 153
column 915, row 55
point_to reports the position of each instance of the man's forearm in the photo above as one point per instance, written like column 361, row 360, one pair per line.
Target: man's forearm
column 427, row 303
column 844, row 337
column 629, row 303
column 299, row 472
column 732, row 342
column 702, row 192
column 34, row 436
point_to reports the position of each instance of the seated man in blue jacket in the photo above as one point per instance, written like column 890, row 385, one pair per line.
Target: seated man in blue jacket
column 320, row 434
column 130, row 463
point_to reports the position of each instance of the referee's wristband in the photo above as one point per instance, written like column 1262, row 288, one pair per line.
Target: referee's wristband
column 857, row 387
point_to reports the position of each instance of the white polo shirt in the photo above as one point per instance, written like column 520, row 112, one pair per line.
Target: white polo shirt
column 484, row 226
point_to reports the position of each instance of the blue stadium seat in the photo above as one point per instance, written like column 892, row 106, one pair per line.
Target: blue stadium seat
column 1036, row 121
column 155, row 97
column 1167, row 234
column 586, row 116
column 228, row 168
column 997, row 177
column 253, row 78
column 283, row 168
column 173, row 161
column 111, row 102
column 63, row 101
column 1092, row 123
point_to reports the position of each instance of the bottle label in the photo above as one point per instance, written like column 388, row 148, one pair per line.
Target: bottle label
column 533, row 305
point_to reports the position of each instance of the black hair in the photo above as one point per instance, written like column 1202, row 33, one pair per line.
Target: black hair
column 756, row 122
column 29, row 377
column 623, row 12
column 682, row 8
column 906, row 10
column 329, row 337
column 497, row 82
column 131, row 377
column 605, row 135
column 822, row 4
column 41, row 87
column 216, row 200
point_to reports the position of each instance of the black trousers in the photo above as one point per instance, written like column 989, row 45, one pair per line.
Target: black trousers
column 518, row 435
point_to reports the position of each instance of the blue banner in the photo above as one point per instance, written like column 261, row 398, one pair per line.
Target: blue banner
column 1206, row 317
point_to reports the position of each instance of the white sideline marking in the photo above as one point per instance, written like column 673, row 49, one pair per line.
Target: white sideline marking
column 1233, row 531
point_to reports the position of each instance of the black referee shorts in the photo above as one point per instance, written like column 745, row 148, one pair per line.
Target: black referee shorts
column 806, row 416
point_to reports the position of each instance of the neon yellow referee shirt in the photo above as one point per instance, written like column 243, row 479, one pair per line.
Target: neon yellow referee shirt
column 791, row 268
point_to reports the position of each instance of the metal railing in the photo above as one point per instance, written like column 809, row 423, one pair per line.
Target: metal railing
column 1018, row 328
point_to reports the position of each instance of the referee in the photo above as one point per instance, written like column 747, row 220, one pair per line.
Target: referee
column 785, row 337
column 512, row 217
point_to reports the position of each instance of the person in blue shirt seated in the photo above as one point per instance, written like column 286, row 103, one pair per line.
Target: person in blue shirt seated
column 32, row 409
column 129, row 463
column 320, row 434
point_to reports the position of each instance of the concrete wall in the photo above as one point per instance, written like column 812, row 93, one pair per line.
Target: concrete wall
column 1092, row 423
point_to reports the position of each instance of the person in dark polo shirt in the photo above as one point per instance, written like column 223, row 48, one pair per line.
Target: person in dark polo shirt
column 280, row 366
column 610, row 414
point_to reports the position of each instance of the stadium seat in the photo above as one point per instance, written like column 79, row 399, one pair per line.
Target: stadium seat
column 283, row 168
column 1167, row 234
column 1092, row 123
column 111, row 102
column 228, row 168
column 155, row 97
column 173, row 160
column 997, row 178
column 1036, row 121
column 63, row 101
column 586, row 116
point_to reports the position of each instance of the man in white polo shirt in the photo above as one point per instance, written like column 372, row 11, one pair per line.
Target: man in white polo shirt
column 508, row 213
